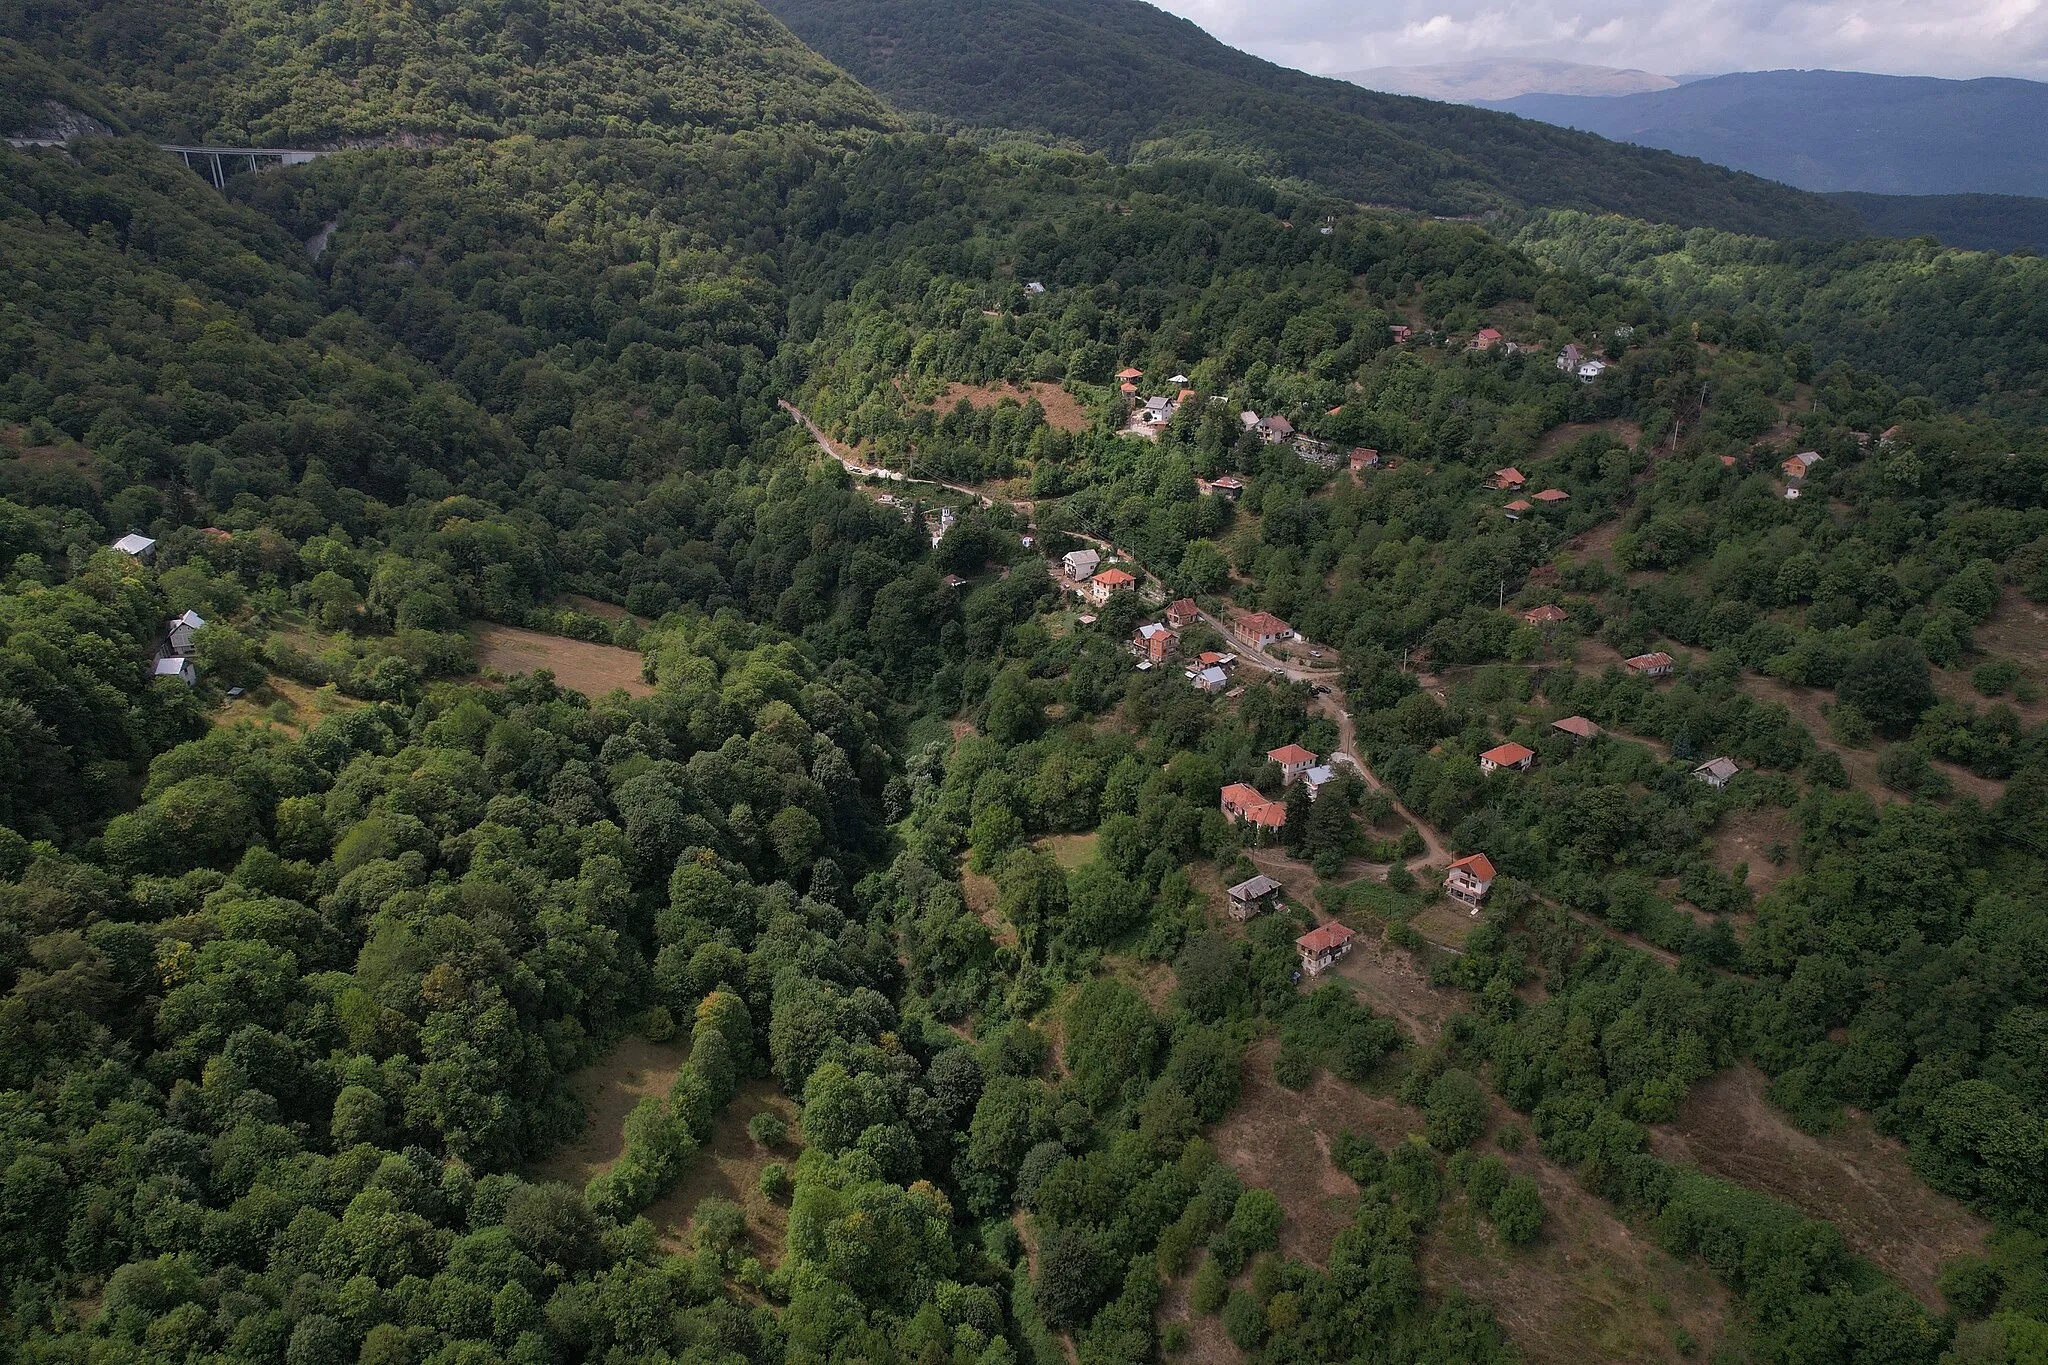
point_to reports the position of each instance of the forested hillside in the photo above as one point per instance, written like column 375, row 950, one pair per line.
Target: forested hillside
column 847, row 973
column 1122, row 77
column 1966, row 329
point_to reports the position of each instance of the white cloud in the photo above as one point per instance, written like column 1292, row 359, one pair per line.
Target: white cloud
column 1903, row 37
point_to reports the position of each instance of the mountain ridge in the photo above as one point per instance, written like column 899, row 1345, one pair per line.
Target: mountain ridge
column 1466, row 82
column 1129, row 80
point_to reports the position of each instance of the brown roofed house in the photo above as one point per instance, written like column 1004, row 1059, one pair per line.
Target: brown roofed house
column 1657, row 664
column 1545, row 615
column 1469, row 879
column 1322, row 946
column 1183, row 613
column 1293, row 760
column 1509, row 755
column 1509, row 478
column 1553, row 496
column 1578, row 727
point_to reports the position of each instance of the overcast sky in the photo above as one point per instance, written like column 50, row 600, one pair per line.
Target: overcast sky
column 1674, row 37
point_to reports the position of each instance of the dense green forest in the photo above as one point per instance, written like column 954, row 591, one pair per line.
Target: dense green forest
column 299, row 985
column 1966, row 329
column 1122, row 77
column 1974, row 222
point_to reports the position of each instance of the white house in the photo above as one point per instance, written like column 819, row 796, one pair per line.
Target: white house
column 1080, row 564
column 1212, row 680
column 1318, row 778
column 183, row 629
column 1591, row 370
column 1469, row 879
column 173, row 666
column 136, row 546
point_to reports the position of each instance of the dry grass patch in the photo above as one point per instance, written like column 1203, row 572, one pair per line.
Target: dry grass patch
column 1557, row 439
column 1748, row 836
column 1153, row 980
column 303, row 706
column 1861, row 764
column 609, row 1088
column 75, row 459
column 1388, row 979
column 1446, row 925
column 1062, row 409
column 592, row 669
column 1853, row 1177
column 981, row 893
column 729, row 1167
column 1592, row 1288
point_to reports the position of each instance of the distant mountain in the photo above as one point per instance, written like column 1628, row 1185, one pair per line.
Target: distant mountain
column 1134, row 82
column 1834, row 130
column 1465, row 82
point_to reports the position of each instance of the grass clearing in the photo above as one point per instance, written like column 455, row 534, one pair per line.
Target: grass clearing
column 609, row 1088
column 1446, row 925
column 1748, row 836
column 594, row 670
column 1071, row 850
column 729, row 1167
column 284, row 705
column 1853, row 1177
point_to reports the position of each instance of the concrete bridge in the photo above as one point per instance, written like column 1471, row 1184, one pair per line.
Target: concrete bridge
column 212, row 162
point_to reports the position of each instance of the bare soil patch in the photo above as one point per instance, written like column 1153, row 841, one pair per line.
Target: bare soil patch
column 1207, row 1343
column 1062, row 409
column 729, row 1167
column 1748, row 836
column 594, row 670
column 609, row 1088
column 1854, row 1177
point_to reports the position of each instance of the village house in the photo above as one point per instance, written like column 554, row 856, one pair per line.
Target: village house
column 1127, row 389
column 1515, row 509
column 1183, row 613
column 1264, row 629
column 1509, row 479
column 1127, row 374
column 1469, row 879
column 1080, row 564
column 1889, row 437
column 1800, row 465
column 953, row 580
column 1321, row 947
column 1545, row 615
column 1107, row 582
column 1317, row 778
column 1154, row 642
column 1210, row 680
column 1225, row 487
column 1243, row 805
column 136, row 546
column 1294, row 761
column 1362, row 460
column 1578, row 727
column 1590, row 370
column 182, row 630
column 1716, row 772
column 1488, row 338
column 1402, row 334
column 1570, row 358
column 1211, row 659
column 1157, row 412
column 1509, row 755
column 1274, row 430
column 1034, row 288
column 1553, row 497
column 1654, row 665
column 1255, row 897
column 176, row 666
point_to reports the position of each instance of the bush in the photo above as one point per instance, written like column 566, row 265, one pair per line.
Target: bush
column 1455, row 1111
column 1905, row 769
column 1244, row 1320
column 1359, row 1157
column 1485, row 1181
column 1071, row 1285
column 1517, row 1212
column 1210, row 1287
column 1254, row 1227
column 1996, row 678
column 1173, row 1337
column 1293, row 1068
column 767, row 1129
column 775, row 1182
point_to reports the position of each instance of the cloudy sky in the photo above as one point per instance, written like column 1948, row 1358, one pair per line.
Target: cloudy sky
column 1902, row 37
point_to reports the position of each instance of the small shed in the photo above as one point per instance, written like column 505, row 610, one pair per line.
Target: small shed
column 136, row 546
column 176, row 666
column 1717, row 772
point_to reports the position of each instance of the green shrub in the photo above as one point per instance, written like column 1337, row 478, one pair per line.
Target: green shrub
column 1244, row 1320
column 1996, row 678
column 1517, row 1212
column 775, row 1182
column 1211, row 1285
column 768, row 1128
column 1293, row 1067
column 1455, row 1111
column 1485, row 1180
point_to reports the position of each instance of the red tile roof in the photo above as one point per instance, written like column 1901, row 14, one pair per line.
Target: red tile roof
column 1258, row 623
column 1544, row 615
column 1508, row 755
column 1553, row 495
column 1128, row 374
column 1576, row 725
column 1520, row 505
column 1478, row 864
column 1242, row 796
column 1290, row 753
column 1659, row 659
column 1115, row 578
column 1325, row 937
